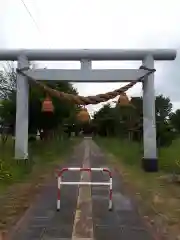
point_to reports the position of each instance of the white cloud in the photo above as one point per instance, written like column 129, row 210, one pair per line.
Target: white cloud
column 97, row 24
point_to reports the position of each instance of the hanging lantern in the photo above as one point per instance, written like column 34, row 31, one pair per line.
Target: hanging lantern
column 47, row 105
column 123, row 100
column 83, row 115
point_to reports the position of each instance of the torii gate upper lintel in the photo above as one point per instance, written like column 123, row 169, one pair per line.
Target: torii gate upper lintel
column 91, row 54
column 86, row 74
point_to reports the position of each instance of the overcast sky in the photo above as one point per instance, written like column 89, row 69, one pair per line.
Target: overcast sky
column 98, row 24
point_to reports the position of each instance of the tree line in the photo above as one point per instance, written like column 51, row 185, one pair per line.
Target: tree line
column 57, row 121
column 127, row 121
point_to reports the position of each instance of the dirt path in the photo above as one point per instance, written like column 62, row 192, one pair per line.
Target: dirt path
column 84, row 214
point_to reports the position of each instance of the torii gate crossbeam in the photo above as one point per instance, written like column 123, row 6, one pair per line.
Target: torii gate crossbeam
column 86, row 74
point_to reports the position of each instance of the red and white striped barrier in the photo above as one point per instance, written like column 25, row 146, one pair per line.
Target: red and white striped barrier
column 60, row 182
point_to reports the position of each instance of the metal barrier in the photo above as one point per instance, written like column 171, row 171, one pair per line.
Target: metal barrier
column 60, row 182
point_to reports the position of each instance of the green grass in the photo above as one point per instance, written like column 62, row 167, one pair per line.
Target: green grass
column 131, row 153
column 20, row 183
column 41, row 154
column 157, row 197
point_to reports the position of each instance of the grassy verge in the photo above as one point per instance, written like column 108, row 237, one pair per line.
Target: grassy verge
column 19, row 183
column 158, row 199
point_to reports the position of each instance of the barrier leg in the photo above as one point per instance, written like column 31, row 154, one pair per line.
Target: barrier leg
column 59, row 194
column 110, row 194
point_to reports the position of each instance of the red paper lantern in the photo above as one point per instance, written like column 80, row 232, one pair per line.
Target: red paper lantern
column 47, row 105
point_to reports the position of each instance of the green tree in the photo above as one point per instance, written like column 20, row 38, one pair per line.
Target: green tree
column 103, row 121
column 175, row 120
column 127, row 121
column 65, row 111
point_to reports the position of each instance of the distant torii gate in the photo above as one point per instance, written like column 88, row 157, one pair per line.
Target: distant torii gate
column 86, row 74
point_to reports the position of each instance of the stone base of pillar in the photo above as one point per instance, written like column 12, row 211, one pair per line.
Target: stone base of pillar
column 150, row 164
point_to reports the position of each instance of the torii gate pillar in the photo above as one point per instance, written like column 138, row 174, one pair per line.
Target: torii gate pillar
column 149, row 160
column 22, row 111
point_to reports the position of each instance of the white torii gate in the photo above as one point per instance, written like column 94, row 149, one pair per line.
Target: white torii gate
column 86, row 74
